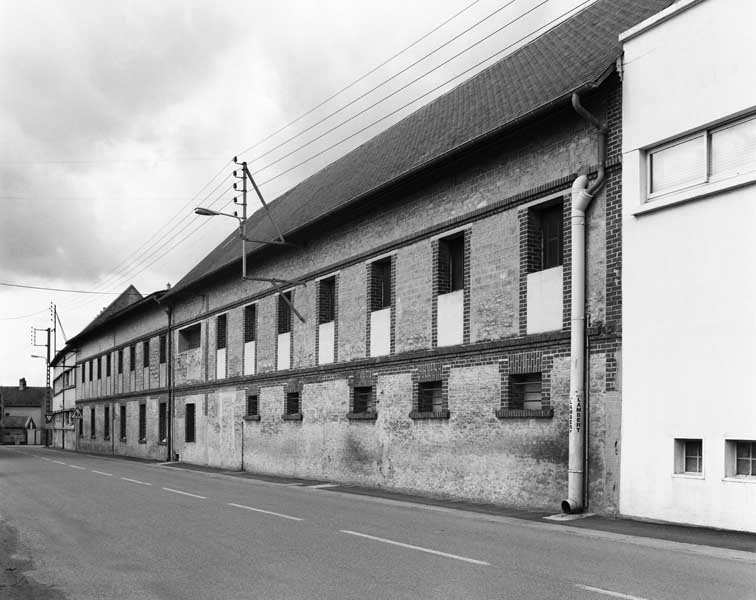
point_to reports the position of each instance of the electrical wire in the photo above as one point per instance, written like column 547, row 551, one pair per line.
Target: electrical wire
column 52, row 289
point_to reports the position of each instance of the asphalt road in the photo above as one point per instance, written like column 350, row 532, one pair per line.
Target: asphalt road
column 83, row 527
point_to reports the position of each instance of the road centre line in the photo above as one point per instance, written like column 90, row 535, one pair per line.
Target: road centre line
column 77, row 467
column 59, row 462
column 608, row 592
column 185, row 493
column 267, row 512
column 420, row 548
column 101, row 473
column 135, row 481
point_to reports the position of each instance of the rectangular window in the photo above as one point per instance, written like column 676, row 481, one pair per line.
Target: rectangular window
column 292, row 403
column 740, row 458
column 284, row 313
column 142, row 422
column 106, row 423
column 92, row 430
column 107, row 364
column 91, row 370
column 99, row 367
column 451, row 264
column 525, row 391
column 220, row 332
column 327, row 300
column 380, row 292
column 363, row 400
column 430, row 397
column 253, row 406
column 689, row 456
column 163, row 422
column 83, row 372
column 119, row 361
column 189, row 423
column 132, row 357
column 714, row 154
column 189, row 338
column 163, row 341
column 551, row 236
column 249, row 323
column 122, row 422
column 81, row 428
column 146, row 353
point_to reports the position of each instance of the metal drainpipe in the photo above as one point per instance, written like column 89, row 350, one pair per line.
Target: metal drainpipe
column 169, row 382
column 581, row 198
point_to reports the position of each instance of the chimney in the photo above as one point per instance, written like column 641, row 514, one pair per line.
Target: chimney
column 22, row 384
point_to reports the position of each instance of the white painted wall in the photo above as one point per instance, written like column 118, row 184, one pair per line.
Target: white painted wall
column 689, row 291
column 326, row 345
column 545, row 302
column 249, row 358
column 380, row 332
column 220, row 363
column 450, row 323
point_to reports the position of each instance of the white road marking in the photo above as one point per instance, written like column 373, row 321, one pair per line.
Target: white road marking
column 101, row 473
column 322, row 486
column 185, row 493
column 43, row 458
column 60, row 462
column 267, row 512
column 135, row 481
column 420, row 548
column 608, row 592
column 75, row 467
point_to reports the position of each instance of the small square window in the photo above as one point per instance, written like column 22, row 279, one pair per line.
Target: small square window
column 363, row 400
column 525, row 391
column 740, row 458
column 190, row 337
column 292, row 403
column 430, row 397
column 689, row 456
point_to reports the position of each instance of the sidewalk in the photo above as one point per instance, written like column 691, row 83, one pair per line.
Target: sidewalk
column 702, row 536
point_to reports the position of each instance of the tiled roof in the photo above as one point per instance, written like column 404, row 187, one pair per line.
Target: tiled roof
column 18, row 422
column 577, row 53
column 29, row 396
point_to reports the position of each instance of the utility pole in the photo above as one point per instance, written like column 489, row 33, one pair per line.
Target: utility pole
column 50, row 337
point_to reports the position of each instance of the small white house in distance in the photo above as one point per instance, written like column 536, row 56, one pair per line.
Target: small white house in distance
column 689, row 266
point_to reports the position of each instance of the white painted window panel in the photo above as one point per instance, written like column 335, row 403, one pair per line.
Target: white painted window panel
column 249, row 358
column 220, row 363
column 380, row 332
column 284, row 351
column 450, row 318
column 545, row 308
column 325, row 343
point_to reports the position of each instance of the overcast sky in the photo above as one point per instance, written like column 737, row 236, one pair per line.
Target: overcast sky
column 116, row 119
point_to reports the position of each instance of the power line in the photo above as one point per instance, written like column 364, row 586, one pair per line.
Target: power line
column 52, row 289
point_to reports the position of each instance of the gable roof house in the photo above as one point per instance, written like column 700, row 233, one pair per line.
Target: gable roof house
column 418, row 333
column 21, row 410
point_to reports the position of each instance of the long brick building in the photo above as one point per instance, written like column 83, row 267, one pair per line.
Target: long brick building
column 433, row 270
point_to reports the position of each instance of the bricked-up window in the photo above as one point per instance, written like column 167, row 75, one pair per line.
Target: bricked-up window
column 525, row 391
column 132, row 357
column 253, row 406
column 250, row 323
column 119, row 362
column 292, row 403
column 163, row 422
column 451, row 264
column 108, row 358
column 430, row 397
column 220, row 332
column 327, row 300
column 142, row 422
column 189, row 423
column 190, row 337
column 380, row 292
column 689, row 456
column 146, row 353
column 163, row 341
column 92, row 431
column 106, row 421
column 363, row 400
column 122, row 422
column 284, row 313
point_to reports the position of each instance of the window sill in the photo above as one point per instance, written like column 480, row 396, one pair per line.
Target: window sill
column 92, row 437
column 251, row 417
column 292, row 417
column 163, row 443
column 362, row 416
column 688, row 476
column 524, row 413
column 143, row 441
column 123, row 439
column 740, row 479
column 425, row 415
column 693, row 193
column 106, row 438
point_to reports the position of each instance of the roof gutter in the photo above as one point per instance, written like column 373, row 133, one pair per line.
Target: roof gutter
column 582, row 194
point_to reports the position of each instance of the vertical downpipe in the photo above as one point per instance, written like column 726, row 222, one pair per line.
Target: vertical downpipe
column 581, row 198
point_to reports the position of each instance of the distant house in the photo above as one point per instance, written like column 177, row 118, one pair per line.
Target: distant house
column 22, row 410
